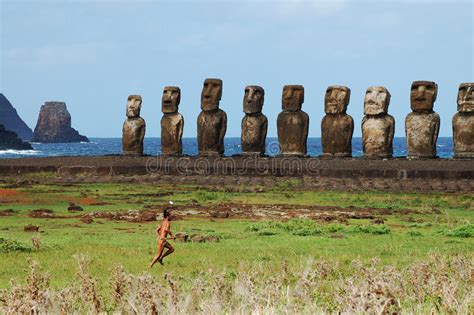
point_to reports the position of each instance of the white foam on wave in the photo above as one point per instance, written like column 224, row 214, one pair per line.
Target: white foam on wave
column 20, row 152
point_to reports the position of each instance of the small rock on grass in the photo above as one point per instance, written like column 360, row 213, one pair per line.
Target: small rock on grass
column 197, row 238
column 181, row 237
column 73, row 207
column 31, row 228
column 87, row 220
column 220, row 214
column 212, row 239
column 378, row 221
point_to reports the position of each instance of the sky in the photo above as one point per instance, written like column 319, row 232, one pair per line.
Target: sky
column 93, row 54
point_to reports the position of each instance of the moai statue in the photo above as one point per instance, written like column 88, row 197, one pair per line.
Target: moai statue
column 463, row 123
column 172, row 122
column 212, row 121
column 292, row 122
column 422, row 124
column 254, row 123
column 337, row 127
column 133, row 131
column 378, row 127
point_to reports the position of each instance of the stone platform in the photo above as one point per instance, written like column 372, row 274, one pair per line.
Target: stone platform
column 434, row 175
column 398, row 168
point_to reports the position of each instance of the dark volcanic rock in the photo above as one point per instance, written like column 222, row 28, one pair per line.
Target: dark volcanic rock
column 42, row 213
column 10, row 119
column 54, row 125
column 181, row 237
column 86, row 220
column 31, row 228
column 73, row 207
column 10, row 140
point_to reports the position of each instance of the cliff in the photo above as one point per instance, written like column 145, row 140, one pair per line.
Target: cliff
column 10, row 140
column 54, row 125
column 10, row 119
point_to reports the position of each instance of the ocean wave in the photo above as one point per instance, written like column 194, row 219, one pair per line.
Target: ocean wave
column 20, row 152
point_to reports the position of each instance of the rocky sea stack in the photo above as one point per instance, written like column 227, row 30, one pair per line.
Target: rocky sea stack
column 11, row 121
column 54, row 125
column 9, row 140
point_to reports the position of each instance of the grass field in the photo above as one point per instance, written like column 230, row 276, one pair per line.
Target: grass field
column 417, row 228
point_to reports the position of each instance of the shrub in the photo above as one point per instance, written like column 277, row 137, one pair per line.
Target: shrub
column 414, row 233
column 307, row 227
column 420, row 225
column 332, row 228
column 266, row 233
column 204, row 196
column 286, row 185
column 370, row 229
column 299, row 227
column 7, row 246
column 463, row 231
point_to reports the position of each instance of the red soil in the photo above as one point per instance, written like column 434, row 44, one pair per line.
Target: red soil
column 8, row 193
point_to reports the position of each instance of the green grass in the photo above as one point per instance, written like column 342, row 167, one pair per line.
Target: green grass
column 442, row 223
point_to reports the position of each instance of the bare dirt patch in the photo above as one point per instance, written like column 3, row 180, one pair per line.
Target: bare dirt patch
column 256, row 212
column 8, row 193
column 31, row 228
column 90, row 201
column 130, row 215
column 46, row 214
column 251, row 212
column 7, row 212
column 86, row 220
column 42, row 213
column 12, row 196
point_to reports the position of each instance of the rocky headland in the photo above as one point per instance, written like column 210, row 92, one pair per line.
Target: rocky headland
column 10, row 119
column 9, row 140
column 54, row 125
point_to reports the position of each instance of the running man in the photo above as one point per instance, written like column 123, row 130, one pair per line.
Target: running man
column 161, row 232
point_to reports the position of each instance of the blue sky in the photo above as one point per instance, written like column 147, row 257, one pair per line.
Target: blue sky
column 93, row 54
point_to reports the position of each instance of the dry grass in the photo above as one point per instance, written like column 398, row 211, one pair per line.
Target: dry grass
column 441, row 284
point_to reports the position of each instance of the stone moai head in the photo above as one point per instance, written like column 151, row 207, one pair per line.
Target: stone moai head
column 292, row 98
column 134, row 105
column 253, row 99
column 466, row 98
column 170, row 99
column 423, row 95
column 336, row 99
column 376, row 101
column 211, row 94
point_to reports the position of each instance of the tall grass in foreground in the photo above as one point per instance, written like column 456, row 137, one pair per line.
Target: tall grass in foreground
column 441, row 284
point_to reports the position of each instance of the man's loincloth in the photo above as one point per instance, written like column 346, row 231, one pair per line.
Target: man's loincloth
column 164, row 240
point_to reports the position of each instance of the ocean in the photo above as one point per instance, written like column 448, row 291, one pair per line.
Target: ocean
column 113, row 146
